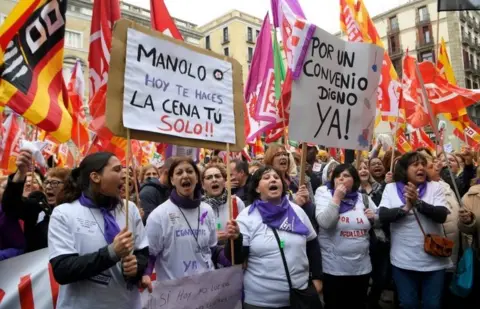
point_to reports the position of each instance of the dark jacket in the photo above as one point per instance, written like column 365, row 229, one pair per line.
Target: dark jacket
column 29, row 210
column 242, row 192
column 12, row 241
column 152, row 195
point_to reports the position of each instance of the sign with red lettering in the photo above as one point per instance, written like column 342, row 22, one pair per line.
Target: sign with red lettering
column 173, row 90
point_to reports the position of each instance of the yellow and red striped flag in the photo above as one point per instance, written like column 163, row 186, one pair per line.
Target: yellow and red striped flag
column 31, row 61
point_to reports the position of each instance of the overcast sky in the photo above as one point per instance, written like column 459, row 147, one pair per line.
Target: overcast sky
column 323, row 13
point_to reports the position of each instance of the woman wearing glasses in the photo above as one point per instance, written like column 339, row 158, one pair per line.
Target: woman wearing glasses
column 213, row 179
column 36, row 208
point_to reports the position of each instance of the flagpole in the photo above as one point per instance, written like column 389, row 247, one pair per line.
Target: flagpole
column 437, row 46
column 303, row 163
column 434, row 122
column 127, row 179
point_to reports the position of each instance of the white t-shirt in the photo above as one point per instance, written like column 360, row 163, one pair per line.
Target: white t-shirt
column 172, row 242
column 76, row 229
column 345, row 246
column 265, row 281
column 222, row 214
column 406, row 237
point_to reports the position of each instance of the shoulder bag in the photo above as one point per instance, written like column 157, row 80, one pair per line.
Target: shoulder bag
column 435, row 245
column 299, row 299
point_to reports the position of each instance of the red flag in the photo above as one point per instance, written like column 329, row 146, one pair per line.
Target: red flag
column 76, row 88
column 234, row 207
column 420, row 139
column 162, row 21
column 12, row 131
column 105, row 14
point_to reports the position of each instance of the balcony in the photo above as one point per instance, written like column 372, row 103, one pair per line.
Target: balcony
column 393, row 28
column 395, row 53
column 422, row 20
column 466, row 40
column 225, row 41
column 425, row 44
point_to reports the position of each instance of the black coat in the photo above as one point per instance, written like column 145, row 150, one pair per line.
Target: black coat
column 152, row 194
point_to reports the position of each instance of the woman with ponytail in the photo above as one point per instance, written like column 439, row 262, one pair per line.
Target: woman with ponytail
column 90, row 247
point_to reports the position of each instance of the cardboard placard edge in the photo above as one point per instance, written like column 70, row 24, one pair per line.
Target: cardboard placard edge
column 114, row 105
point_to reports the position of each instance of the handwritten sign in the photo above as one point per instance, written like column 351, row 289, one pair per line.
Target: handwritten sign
column 176, row 91
column 216, row 289
column 334, row 99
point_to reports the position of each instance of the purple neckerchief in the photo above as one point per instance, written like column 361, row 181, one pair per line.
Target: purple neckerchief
column 422, row 188
column 348, row 202
column 111, row 228
column 185, row 202
column 281, row 217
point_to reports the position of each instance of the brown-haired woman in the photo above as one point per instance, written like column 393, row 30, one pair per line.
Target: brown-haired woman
column 181, row 232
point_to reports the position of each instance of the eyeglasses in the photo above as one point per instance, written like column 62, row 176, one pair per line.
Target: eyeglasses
column 53, row 183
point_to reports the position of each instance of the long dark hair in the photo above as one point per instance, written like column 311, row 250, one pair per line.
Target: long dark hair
column 351, row 170
column 176, row 162
column 79, row 179
column 253, row 195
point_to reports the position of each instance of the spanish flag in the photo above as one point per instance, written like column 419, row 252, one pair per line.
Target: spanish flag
column 31, row 61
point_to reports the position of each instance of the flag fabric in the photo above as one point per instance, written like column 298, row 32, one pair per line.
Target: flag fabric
column 355, row 21
column 162, row 21
column 420, row 139
column 402, row 143
column 64, row 156
column 259, row 84
column 443, row 97
column 258, row 147
column 12, row 131
column 31, row 80
column 76, row 88
column 105, row 14
column 465, row 128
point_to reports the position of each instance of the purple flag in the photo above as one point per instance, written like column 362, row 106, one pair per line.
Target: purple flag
column 257, row 82
column 294, row 7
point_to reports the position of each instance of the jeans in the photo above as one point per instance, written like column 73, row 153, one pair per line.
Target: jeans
column 410, row 283
column 381, row 273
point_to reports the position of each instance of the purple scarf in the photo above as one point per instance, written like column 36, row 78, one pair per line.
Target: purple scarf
column 111, row 228
column 281, row 217
column 185, row 202
column 422, row 188
column 348, row 202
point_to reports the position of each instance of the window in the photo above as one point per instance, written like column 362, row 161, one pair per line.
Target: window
column 249, row 34
column 393, row 44
column 475, row 85
column 225, row 34
column 257, row 33
column 394, row 23
column 468, row 83
column 207, row 42
column 423, row 13
column 250, row 54
column 226, row 52
column 478, row 64
column 427, row 37
column 73, row 39
column 471, row 60
column 426, row 56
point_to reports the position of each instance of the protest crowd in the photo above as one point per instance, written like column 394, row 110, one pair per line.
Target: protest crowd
column 372, row 221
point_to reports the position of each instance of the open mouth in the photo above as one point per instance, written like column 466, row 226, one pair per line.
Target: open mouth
column 186, row 184
column 273, row 187
column 215, row 186
column 283, row 162
column 50, row 195
column 420, row 174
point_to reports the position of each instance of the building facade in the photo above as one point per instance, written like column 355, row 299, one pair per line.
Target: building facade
column 417, row 27
column 233, row 34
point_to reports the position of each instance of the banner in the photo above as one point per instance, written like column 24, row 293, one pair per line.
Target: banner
column 218, row 289
column 176, row 91
column 27, row 282
column 334, row 100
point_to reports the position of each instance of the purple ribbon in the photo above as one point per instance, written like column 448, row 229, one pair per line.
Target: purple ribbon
column 422, row 188
column 111, row 228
